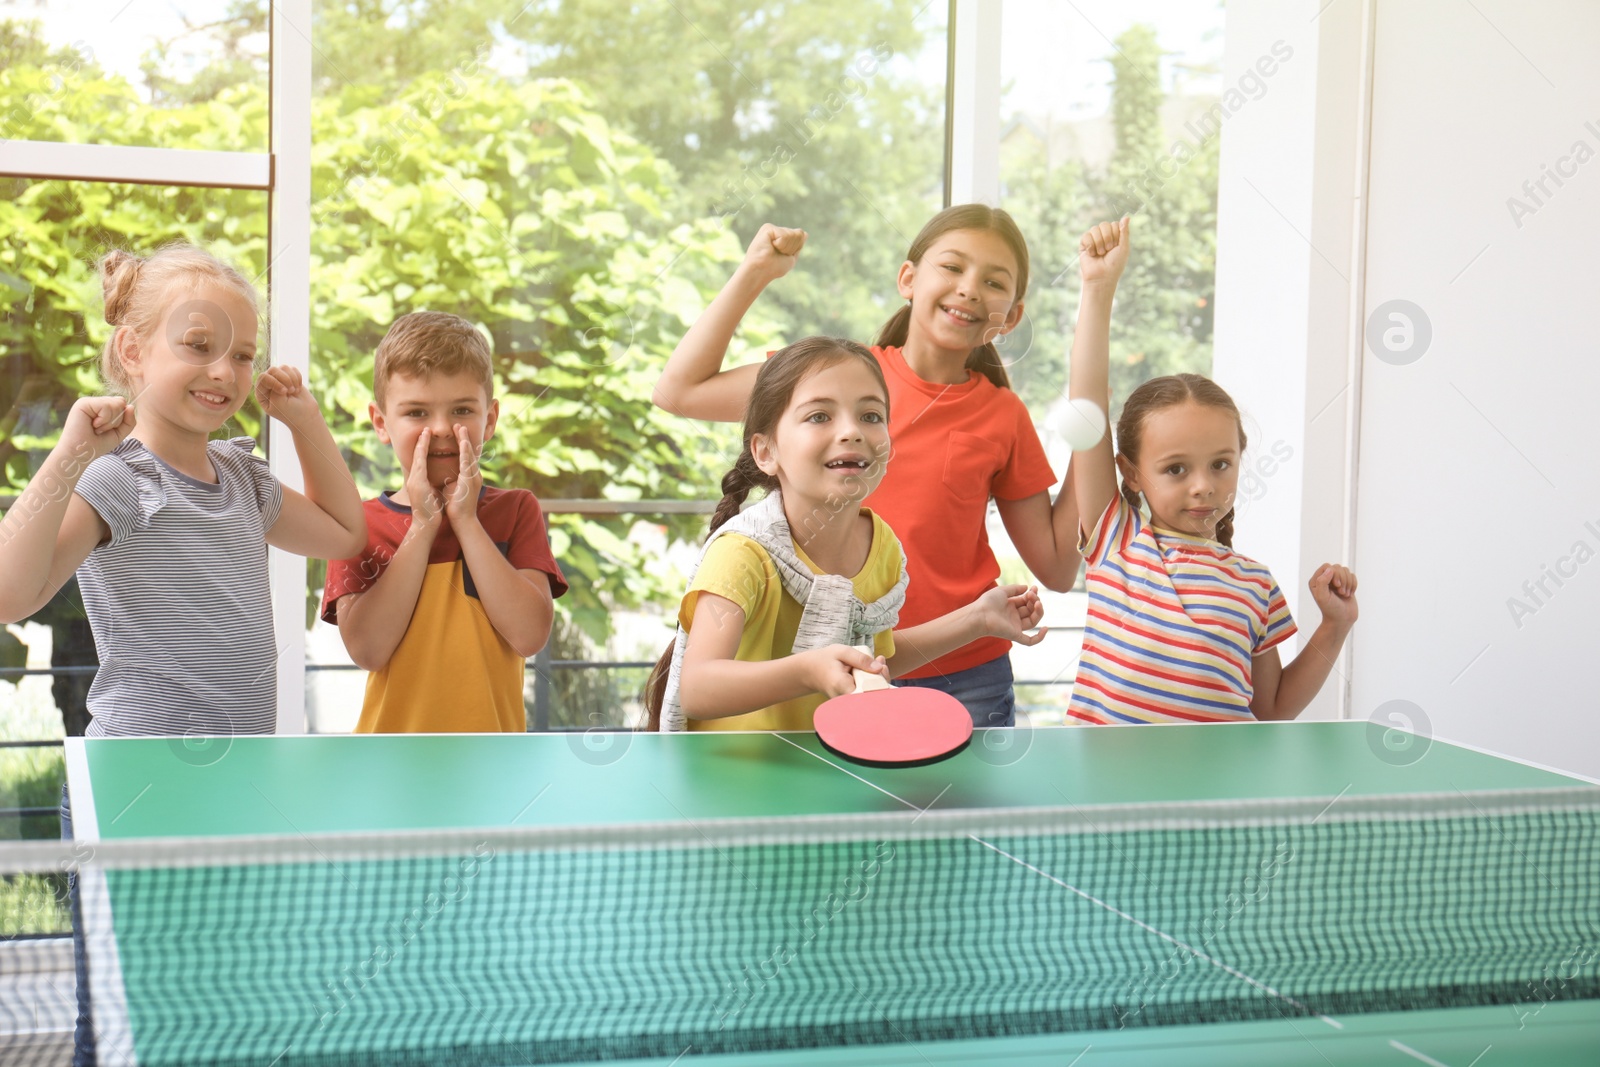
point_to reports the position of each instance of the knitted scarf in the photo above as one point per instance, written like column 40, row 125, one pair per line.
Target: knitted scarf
column 833, row 613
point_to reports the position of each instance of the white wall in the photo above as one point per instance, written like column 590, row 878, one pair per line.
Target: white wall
column 1284, row 225
column 1474, row 460
column 1478, row 459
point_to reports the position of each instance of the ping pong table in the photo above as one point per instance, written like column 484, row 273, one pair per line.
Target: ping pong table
column 154, row 946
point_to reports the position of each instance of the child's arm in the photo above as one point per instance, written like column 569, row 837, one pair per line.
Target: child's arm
column 372, row 623
column 715, row 685
column 1103, row 253
column 326, row 522
column 1284, row 692
column 1046, row 534
column 50, row 531
column 1004, row 611
column 518, row 602
column 694, row 383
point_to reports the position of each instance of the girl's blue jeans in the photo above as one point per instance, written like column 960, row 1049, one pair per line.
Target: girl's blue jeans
column 986, row 691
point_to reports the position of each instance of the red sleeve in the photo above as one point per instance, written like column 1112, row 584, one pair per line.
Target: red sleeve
column 529, row 549
column 1027, row 470
column 357, row 575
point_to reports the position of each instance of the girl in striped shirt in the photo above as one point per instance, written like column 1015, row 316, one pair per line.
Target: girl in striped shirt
column 1181, row 628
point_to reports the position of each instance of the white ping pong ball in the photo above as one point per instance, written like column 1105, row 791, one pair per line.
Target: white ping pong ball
column 1082, row 423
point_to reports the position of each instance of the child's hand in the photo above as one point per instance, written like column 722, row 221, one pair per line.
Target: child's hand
column 829, row 670
column 1334, row 589
column 773, row 252
column 283, row 395
column 1103, row 253
column 461, row 492
column 98, row 423
column 1009, row 610
column 427, row 503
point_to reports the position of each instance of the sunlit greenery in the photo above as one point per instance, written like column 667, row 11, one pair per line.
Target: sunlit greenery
column 581, row 193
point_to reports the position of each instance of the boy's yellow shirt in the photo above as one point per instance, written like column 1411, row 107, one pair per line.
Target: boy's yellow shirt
column 452, row 672
column 738, row 569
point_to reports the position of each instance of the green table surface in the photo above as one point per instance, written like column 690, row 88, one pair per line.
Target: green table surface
column 160, row 787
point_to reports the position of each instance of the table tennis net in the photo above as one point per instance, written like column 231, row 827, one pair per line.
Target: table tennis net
column 684, row 939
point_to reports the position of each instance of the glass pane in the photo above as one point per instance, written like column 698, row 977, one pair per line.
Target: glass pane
column 581, row 194
column 31, row 777
column 177, row 74
column 1110, row 108
column 52, row 330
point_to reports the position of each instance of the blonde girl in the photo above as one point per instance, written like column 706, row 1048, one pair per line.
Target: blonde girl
column 168, row 529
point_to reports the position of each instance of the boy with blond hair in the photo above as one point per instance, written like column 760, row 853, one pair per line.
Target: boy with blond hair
column 455, row 588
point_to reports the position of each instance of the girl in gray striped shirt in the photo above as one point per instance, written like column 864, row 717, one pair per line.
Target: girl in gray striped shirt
column 167, row 529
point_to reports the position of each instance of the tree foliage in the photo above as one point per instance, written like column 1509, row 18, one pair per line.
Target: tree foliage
column 1168, row 182
column 517, row 206
column 580, row 192
column 807, row 114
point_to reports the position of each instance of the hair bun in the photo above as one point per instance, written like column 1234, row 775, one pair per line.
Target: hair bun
column 119, row 271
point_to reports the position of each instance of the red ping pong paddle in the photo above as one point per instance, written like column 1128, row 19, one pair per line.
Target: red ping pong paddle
column 883, row 726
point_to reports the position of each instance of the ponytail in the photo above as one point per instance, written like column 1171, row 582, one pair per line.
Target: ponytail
column 736, row 486
column 985, row 359
column 1135, row 501
column 655, row 689
column 1225, row 529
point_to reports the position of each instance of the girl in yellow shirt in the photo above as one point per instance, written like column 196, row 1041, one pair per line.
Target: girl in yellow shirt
column 786, row 589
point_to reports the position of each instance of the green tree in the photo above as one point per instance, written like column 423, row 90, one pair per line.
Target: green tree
column 807, row 114
column 1050, row 205
column 559, row 235
column 1164, row 302
column 515, row 205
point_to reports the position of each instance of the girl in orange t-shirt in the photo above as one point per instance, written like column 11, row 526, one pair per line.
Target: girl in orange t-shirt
column 961, row 436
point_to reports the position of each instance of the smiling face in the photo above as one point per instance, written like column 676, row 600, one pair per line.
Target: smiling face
column 1188, row 466
column 963, row 290
column 437, row 403
column 193, row 372
column 831, row 444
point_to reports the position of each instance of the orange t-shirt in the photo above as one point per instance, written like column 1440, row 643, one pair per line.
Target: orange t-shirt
column 952, row 447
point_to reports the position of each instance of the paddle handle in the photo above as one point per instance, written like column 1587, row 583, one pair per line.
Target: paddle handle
column 867, row 681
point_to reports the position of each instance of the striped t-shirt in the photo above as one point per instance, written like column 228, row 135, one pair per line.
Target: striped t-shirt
column 178, row 598
column 1173, row 623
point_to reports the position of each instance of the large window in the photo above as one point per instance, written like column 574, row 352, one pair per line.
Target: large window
column 582, row 193
column 577, row 192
